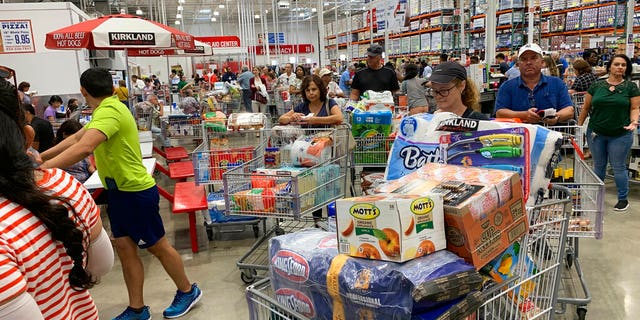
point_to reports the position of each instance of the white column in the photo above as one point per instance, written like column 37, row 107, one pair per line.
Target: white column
column 629, row 28
column 490, row 31
column 321, row 34
column 531, row 8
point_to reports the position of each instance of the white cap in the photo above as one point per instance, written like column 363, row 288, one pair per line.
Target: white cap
column 323, row 72
column 530, row 47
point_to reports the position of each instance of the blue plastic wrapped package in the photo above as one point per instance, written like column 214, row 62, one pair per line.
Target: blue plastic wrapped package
column 308, row 261
column 216, row 205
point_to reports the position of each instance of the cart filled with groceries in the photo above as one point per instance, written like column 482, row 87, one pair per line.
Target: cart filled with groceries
column 463, row 225
column 228, row 142
column 297, row 172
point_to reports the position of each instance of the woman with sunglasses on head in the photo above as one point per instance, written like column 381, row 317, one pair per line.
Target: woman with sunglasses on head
column 612, row 106
column 454, row 91
column 52, row 244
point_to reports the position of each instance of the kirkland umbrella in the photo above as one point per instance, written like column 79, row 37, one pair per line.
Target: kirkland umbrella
column 118, row 32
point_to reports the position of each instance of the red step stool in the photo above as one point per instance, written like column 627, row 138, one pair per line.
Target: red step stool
column 190, row 198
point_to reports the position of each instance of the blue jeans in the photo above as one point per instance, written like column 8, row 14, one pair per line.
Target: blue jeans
column 615, row 150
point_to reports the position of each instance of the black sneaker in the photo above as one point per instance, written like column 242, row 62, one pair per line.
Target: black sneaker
column 622, row 205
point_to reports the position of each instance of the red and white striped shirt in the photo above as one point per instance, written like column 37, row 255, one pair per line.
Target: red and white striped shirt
column 31, row 261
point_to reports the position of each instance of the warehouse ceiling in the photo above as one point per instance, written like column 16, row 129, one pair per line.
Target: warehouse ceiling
column 190, row 12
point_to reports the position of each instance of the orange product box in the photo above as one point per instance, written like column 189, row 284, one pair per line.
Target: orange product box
column 390, row 227
column 484, row 224
column 222, row 158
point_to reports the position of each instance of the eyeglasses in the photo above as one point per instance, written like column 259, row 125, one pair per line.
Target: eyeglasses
column 532, row 100
column 443, row 92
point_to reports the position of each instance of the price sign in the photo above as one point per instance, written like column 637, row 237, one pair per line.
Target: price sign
column 16, row 36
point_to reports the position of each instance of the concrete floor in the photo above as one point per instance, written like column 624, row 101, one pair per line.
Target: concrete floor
column 609, row 265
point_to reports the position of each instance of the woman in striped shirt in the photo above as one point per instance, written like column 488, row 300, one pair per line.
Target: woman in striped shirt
column 52, row 244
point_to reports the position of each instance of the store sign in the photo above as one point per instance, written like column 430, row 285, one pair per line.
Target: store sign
column 16, row 36
column 221, row 41
column 150, row 52
column 132, row 38
column 283, row 49
column 195, row 50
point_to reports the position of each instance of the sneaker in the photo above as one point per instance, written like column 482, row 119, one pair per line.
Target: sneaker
column 183, row 302
column 622, row 205
column 129, row 314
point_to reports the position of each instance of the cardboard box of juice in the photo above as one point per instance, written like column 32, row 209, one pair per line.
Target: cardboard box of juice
column 390, row 227
column 485, row 221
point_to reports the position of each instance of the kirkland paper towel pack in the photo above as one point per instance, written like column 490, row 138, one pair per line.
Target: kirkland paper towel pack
column 418, row 142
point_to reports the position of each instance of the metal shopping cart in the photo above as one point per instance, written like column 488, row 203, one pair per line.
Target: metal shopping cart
column 586, row 221
column 529, row 294
column 185, row 128
column 227, row 143
column 143, row 114
column 289, row 196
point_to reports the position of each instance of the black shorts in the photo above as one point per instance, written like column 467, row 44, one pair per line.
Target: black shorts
column 136, row 215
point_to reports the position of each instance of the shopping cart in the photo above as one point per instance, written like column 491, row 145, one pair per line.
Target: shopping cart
column 143, row 114
column 530, row 294
column 225, row 145
column 578, row 102
column 369, row 152
column 291, row 196
column 186, row 128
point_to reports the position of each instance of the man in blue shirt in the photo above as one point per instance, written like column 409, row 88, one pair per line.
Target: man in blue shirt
column 345, row 80
column 525, row 96
column 243, row 81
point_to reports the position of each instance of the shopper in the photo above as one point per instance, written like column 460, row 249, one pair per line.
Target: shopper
column 148, row 89
column 374, row 77
column 414, row 88
column 561, row 63
column 122, row 92
column 550, row 69
column 51, row 111
column 593, row 58
column 189, row 104
column 584, row 76
column 258, row 91
column 43, row 139
column 612, row 107
column 524, row 96
column 333, row 90
column 345, row 80
column 501, row 60
column 295, row 85
column 228, row 75
column 23, row 92
column 52, row 244
column 287, row 78
column 137, row 88
column 132, row 193
column 82, row 169
column 514, row 70
column 244, row 80
column 455, row 92
column 314, row 94
column 427, row 70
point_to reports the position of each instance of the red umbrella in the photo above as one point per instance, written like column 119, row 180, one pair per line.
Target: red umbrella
column 117, row 32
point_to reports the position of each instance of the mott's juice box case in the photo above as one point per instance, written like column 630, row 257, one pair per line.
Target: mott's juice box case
column 484, row 209
column 390, row 227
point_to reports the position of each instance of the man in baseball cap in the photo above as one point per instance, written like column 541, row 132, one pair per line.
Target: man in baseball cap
column 529, row 95
column 374, row 77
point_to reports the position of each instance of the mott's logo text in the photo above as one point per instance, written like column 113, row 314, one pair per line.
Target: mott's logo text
column 291, row 266
column 132, row 38
column 296, row 301
column 421, row 206
column 364, row 211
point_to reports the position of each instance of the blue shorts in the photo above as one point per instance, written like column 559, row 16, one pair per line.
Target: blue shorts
column 136, row 215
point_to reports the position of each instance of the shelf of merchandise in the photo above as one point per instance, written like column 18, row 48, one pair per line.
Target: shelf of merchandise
column 365, row 29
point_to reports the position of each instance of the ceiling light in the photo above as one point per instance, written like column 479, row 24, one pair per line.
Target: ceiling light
column 221, row 6
column 266, row 11
column 302, row 14
column 178, row 15
column 204, row 11
column 177, row 22
column 180, row 8
column 139, row 12
column 257, row 16
column 313, row 10
column 181, row 1
column 216, row 13
column 213, row 19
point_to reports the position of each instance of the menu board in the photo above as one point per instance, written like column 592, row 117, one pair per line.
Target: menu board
column 16, row 36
